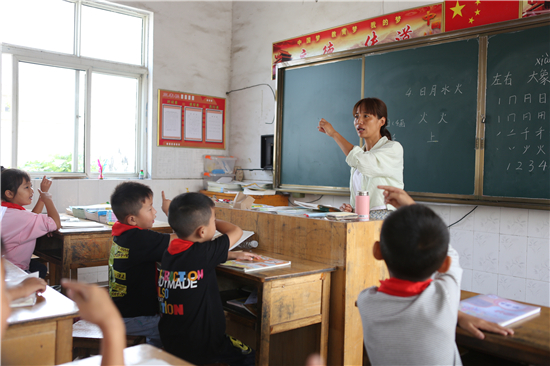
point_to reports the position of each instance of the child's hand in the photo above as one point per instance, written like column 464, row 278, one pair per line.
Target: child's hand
column 44, row 196
column 346, row 208
column 165, row 204
column 94, row 303
column 27, row 287
column 45, row 184
column 474, row 325
column 33, row 284
column 243, row 256
column 396, row 196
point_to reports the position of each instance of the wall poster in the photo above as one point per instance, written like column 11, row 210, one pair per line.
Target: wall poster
column 190, row 120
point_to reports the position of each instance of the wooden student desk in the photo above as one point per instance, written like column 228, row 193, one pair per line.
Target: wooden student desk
column 530, row 343
column 79, row 247
column 288, row 298
column 347, row 246
column 137, row 355
column 41, row 334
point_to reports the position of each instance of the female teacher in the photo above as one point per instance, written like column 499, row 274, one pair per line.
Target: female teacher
column 378, row 162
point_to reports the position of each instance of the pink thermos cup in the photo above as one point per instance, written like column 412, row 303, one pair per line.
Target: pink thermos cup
column 362, row 202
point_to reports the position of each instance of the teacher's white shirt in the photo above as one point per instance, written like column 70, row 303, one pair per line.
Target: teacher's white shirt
column 382, row 165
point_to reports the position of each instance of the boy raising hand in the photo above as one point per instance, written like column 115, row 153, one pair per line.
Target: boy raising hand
column 192, row 324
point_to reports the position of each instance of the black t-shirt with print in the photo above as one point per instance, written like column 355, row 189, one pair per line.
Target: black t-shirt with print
column 133, row 271
column 192, row 324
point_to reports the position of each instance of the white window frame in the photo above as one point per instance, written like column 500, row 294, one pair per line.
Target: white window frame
column 90, row 65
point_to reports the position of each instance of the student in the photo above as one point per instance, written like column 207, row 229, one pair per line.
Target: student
column 20, row 227
column 192, row 324
column 411, row 319
column 132, row 262
column 397, row 198
column 93, row 304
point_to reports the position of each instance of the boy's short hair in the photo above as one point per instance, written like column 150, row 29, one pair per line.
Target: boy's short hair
column 11, row 180
column 414, row 242
column 189, row 211
column 128, row 198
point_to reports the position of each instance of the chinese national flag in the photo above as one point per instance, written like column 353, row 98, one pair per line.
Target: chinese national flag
column 460, row 14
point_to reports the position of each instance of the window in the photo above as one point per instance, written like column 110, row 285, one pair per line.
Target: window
column 74, row 92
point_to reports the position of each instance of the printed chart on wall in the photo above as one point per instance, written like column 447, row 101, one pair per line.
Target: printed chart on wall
column 190, row 120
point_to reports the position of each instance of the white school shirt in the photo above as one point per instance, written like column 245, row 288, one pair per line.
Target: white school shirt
column 382, row 165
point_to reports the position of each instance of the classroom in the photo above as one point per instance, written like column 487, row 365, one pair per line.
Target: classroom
column 224, row 49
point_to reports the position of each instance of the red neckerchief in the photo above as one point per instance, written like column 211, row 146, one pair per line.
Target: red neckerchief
column 119, row 228
column 179, row 245
column 12, row 205
column 403, row 288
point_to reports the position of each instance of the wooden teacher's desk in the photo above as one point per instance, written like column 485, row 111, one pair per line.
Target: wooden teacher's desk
column 41, row 334
column 530, row 343
column 288, row 298
column 79, row 247
column 347, row 246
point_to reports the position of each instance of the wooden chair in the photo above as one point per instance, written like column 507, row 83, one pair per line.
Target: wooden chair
column 87, row 339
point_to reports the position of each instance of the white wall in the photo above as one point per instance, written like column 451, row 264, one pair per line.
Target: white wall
column 503, row 251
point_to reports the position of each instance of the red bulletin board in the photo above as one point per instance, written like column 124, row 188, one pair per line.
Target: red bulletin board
column 190, row 120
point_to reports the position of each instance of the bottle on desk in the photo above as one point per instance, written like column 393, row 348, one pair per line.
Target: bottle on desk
column 248, row 244
column 141, row 175
column 362, row 204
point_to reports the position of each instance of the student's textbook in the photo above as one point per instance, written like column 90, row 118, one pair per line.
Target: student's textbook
column 496, row 309
column 313, row 206
column 257, row 264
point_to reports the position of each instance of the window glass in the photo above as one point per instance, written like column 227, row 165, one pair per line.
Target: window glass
column 43, row 24
column 111, row 36
column 49, row 131
column 114, row 113
column 7, row 109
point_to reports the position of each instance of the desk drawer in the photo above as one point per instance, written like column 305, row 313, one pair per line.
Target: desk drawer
column 296, row 298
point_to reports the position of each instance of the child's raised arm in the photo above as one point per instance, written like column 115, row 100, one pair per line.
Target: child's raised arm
column 45, row 185
column 50, row 207
column 165, row 204
column 96, row 306
column 233, row 231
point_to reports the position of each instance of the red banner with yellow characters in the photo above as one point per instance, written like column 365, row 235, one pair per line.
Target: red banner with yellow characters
column 392, row 27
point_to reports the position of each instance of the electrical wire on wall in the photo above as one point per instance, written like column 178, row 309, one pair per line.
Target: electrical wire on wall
column 253, row 86
column 463, row 217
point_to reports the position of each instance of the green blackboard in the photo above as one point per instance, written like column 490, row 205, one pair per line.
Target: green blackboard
column 517, row 128
column 329, row 91
column 435, row 111
column 431, row 94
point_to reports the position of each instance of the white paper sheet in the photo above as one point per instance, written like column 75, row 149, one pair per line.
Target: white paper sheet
column 193, row 124
column 171, row 122
column 214, row 125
